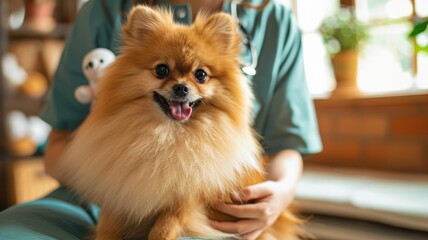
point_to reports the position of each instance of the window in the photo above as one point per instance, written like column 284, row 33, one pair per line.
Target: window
column 388, row 61
column 310, row 14
column 421, row 10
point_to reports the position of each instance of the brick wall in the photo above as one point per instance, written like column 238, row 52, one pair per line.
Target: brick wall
column 382, row 133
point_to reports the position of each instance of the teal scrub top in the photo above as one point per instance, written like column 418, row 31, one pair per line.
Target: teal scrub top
column 284, row 114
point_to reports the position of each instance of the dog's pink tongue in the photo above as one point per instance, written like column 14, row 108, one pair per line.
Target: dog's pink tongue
column 180, row 110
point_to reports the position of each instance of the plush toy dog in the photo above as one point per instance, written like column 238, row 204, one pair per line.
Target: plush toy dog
column 93, row 65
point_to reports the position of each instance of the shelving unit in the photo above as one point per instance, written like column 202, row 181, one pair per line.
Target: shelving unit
column 3, row 158
column 23, row 178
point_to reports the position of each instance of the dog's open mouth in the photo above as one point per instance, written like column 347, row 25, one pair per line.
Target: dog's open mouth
column 178, row 110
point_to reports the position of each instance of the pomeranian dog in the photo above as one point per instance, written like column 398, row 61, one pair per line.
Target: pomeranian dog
column 170, row 135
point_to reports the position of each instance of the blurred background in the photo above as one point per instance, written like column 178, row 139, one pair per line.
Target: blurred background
column 367, row 69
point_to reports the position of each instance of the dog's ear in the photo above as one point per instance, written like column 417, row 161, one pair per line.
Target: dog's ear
column 220, row 27
column 145, row 22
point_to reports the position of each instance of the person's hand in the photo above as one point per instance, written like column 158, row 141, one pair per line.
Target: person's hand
column 257, row 208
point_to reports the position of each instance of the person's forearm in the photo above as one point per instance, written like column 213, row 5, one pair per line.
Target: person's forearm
column 57, row 142
column 286, row 167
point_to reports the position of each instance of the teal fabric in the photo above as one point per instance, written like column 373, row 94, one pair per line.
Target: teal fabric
column 59, row 215
column 283, row 115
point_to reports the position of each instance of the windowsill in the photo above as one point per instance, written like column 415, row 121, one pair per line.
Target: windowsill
column 390, row 98
column 354, row 205
column 392, row 199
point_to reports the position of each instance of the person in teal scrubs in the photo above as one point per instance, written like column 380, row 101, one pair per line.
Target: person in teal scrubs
column 283, row 115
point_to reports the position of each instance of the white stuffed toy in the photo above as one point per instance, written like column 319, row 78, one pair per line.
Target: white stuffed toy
column 93, row 65
column 25, row 135
column 28, row 83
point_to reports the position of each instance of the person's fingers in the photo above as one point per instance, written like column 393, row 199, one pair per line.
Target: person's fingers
column 258, row 210
column 253, row 192
column 239, row 227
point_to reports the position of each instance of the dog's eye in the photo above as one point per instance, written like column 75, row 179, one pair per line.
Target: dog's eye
column 162, row 71
column 200, row 75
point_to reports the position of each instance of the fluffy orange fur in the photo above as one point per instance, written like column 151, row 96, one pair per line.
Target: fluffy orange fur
column 154, row 176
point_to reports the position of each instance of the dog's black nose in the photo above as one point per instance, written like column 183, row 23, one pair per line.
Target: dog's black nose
column 181, row 90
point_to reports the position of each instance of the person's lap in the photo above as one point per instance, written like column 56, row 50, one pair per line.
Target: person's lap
column 59, row 215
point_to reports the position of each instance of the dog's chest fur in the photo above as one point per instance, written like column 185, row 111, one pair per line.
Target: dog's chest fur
column 153, row 166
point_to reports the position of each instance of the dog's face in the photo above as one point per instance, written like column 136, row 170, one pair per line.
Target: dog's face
column 178, row 69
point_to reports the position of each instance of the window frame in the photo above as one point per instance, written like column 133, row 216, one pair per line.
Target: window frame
column 413, row 19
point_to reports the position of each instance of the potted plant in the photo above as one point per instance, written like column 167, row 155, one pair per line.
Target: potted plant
column 343, row 34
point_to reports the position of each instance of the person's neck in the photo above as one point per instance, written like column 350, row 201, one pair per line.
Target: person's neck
column 198, row 5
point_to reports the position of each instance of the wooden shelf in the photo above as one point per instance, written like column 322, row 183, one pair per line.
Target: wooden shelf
column 28, row 180
column 60, row 32
column 31, row 106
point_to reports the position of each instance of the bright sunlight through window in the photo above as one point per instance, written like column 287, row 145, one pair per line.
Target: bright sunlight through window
column 388, row 60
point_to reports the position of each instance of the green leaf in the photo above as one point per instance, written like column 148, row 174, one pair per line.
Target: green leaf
column 422, row 48
column 419, row 28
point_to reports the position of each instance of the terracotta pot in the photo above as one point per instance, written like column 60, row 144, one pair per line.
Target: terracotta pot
column 345, row 65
